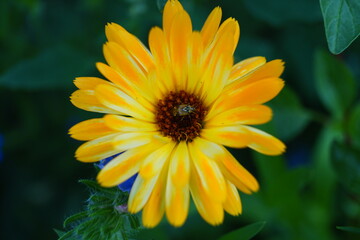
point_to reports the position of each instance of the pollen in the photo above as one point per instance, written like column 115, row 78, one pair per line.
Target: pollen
column 180, row 116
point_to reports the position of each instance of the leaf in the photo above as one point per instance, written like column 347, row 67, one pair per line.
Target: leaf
column 289, row 114
column 349, row 229
column 244, row 233
column 277, row 12
column 346, row 162
column 342, row 23
column 54, row 68
column 335, row 83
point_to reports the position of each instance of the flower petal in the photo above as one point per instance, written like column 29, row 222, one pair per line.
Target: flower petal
column 265, row 143
column 211, row 26
column 119, row 59
column 140, row 193
column 230, row 167
column 90, row 129
column 86, row 100
column 209, row 173
column 230, row 25
column 97, row 149
column 210, row 210
column 123, row 166
column 179, row 40
column 155, row 207
column 231, row 136
column 253, row 114
column 232, row 205
column 177, row 189
column 245, row 67
column 153, row 163
column 89, row 83
column 272, row 69
column 130, row 140
column 258, row 92
column 171, row 9
column 117, row 100
column 128, row 124
column 116, row 33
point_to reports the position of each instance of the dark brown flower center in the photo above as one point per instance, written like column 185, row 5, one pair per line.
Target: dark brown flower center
column 180, row 116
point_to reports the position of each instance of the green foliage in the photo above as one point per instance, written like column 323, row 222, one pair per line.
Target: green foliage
column 244, row 233
column 342, row 23
column 336, row 85
column 289, row 114
column 346, row 161
column 349, row 229
column 103, row 218
column 48, row 70
column 278, row 12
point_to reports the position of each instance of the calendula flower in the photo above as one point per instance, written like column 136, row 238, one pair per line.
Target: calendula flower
column 171, row 109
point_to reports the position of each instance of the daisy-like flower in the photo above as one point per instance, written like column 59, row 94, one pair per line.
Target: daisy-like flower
column 171, row 109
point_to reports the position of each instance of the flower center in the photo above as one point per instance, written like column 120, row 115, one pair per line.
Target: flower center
column 180, row 116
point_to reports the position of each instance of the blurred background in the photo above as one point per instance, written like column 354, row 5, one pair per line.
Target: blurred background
column 305, row 194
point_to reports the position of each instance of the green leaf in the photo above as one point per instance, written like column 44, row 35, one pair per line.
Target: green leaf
column 335, row 83
column 342, row 23
column 346, row 162
column 289, row 114
column 349, row 229
column 244, row 233
column 54, row 68
column 279, row 12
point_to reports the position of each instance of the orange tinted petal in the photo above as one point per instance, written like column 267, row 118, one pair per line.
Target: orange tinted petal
column 90, row 129
column 231, row 136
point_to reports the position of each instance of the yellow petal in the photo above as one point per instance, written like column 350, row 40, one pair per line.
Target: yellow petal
column 171, row 9
column 116, row 33
column 253, row 114
column 119, row 59
column 211, row 211
column 90, row 129
column 230, row 167
column 179, row 169
column 177, row 203
column 85, row 99
column 177, row 188
column 231, row 136
column 232, row 205
column 211, row 26
column 159, row 46
column 155, row 207
column 97, row 149
column 258, row 92
column 230, row 25
column 237, row 174
column 124, row 84
column 272, row 69
column 140, row 193
column 128, row 124
column 119, row 101
column 194, row 69
column 123, row 166
column 245, row 67
column 154, row 163
column 209, row 173
column 89, row 83
column 265, row 143
column 179, row 40
column 130, row 140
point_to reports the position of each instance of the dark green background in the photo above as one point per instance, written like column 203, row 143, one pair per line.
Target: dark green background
column 44, row 45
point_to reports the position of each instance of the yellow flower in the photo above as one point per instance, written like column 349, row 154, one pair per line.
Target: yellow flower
column 171, row 110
